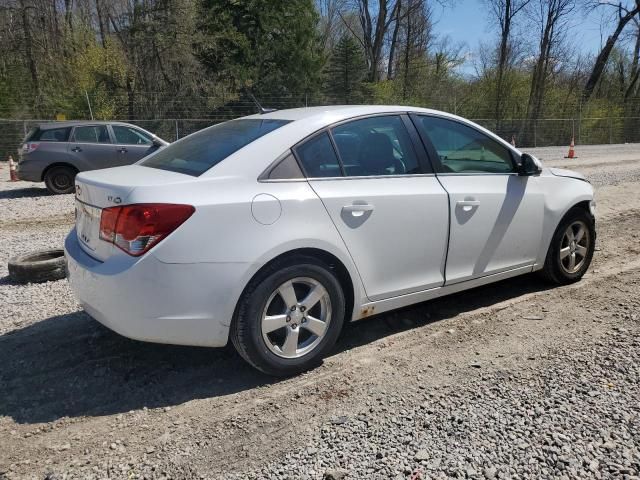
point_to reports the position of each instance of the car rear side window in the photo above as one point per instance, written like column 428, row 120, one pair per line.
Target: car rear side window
column 197, row 153
column 318, row 158
column 91, row 134
column 49, row 135
column 376, row 146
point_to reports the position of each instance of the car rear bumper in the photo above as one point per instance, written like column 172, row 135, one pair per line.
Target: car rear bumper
column 148, row 300
column 28, row 172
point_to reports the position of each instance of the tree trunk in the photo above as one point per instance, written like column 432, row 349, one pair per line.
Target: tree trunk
column 394, row 40
column 101, row 23
column 502, row 62
column 603, row 56
column 28, row 46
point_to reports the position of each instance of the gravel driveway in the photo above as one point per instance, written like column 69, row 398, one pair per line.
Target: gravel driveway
column 512, row 380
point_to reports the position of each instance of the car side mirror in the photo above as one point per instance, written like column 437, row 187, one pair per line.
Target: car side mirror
column 528, row 165
column 157, row 143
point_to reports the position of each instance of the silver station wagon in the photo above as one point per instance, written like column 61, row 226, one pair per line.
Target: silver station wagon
column 55, row 152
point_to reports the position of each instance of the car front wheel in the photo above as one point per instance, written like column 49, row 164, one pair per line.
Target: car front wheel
column 289, row 317
column 571, row 248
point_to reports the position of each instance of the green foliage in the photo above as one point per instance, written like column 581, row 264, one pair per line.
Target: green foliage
column 345, row 72
column 269, row 46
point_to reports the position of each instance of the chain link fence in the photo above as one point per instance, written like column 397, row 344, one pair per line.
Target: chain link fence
column 538, row 133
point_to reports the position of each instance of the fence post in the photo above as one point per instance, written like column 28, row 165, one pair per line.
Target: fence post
column 610, row 131
column 535, row 135
column 177, row 132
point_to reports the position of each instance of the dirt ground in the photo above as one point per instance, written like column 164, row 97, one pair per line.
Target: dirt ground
column 78, row 401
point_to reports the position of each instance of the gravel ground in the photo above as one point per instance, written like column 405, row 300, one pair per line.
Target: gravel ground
column 512, row 380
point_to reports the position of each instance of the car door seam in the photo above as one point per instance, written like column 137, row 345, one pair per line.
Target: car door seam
column 341, row 238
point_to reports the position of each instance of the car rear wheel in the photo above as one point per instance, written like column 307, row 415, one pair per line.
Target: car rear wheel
column 571, row 248
column 289, row 317
column 60, row 180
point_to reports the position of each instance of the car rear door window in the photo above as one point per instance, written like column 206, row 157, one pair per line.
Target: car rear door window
column 130, row 136
column 197, row 153
column 318, row 158
column 376, row 146
column 91, row 134
column 463, row 149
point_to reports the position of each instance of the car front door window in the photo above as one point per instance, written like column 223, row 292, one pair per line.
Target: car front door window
column 463, row 149
column 130, row 136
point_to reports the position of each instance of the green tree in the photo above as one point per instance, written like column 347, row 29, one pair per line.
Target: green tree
column 346, row 71
column 269, row 46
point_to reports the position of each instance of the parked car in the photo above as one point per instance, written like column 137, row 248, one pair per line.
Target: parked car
column 55, row 152
column 275, row 229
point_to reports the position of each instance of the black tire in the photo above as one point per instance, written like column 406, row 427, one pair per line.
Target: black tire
column 38, row 267
column 246, row 328
column 554, row 271
column 60, row 179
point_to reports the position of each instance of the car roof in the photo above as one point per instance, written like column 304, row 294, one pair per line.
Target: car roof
column 75, row 123
column 336, row 113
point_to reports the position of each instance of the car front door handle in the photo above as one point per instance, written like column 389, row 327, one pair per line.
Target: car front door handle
column 76, row 149
column 357, row 210
column 468, row 205
column 122, row 150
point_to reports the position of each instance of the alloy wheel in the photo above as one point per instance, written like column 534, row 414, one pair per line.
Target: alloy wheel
column 296, row 317
column 574, row 247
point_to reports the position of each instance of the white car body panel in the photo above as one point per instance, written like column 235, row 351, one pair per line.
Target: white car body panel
column 496, row 223
column 409, row 216
column 185, row 289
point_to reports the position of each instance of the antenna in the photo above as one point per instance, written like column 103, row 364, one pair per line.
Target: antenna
column 260, row 107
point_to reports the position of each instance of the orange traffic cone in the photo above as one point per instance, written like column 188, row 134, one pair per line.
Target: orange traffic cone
column 13, row 176
column 513, row 140
column 572, row 150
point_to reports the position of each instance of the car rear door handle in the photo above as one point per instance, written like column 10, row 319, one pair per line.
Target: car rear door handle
column 76, row 149
column 357, row 210
column 122, row 150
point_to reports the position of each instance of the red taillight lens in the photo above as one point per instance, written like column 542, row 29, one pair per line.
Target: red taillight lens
column 137, row 228
column 29, row 147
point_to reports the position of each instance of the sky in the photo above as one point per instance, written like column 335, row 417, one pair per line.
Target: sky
column 468, row 21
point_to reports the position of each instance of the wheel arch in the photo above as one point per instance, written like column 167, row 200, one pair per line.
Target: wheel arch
column 333, row 262
column 58, row 164
column 583, row 204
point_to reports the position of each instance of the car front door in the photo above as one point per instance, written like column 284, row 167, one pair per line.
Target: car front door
column 90, row 147
column 496, row 215
column 384, row 200
column 132, row 144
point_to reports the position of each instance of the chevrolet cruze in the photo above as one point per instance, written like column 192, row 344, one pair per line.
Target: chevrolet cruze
column 275, row 229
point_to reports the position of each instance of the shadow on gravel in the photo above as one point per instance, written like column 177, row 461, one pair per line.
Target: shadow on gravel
column 29, row 192
column 69, row 365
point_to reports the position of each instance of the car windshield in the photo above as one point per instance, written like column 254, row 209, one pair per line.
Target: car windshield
column 200, row 151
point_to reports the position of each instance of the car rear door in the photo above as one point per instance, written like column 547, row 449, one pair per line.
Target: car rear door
column 496, row 215
column 90, row 147
column 132, row 144
column 377, row 186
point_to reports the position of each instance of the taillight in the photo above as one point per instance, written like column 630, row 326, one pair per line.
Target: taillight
column 29, row 147
column 135, row 229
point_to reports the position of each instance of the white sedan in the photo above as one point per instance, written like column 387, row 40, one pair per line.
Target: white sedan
column 275, row 229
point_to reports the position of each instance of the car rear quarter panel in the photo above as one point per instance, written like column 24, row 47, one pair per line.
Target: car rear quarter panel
column 224, row 230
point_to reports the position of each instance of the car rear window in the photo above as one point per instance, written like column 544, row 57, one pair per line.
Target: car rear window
column 200, row 151
column 48, row 135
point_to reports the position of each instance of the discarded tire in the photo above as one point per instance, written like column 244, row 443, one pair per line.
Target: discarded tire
column 38, row 267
